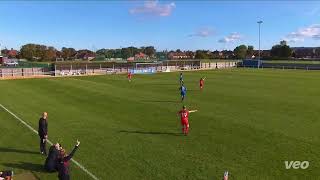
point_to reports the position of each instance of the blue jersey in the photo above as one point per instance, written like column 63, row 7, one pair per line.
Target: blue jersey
column 183, row 90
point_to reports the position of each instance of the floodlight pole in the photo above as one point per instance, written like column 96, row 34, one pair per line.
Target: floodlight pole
column 259, row 61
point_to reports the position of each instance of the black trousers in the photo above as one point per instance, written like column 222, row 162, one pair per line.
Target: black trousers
column 64, row 177
column 43, row 144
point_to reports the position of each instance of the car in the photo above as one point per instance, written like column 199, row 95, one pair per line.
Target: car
column 12, row 63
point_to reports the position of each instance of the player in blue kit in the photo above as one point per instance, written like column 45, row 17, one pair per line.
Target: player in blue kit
column 183, row 92
column 181, row 79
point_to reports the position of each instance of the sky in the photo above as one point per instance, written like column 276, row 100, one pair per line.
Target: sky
column 164, row 24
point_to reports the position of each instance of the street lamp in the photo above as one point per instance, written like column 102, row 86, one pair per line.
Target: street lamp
column 259, row 22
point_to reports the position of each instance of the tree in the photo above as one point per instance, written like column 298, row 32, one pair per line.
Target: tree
column 28, row 51
column 317, row 51
column 162, row 55
column 203, row 54
column 150, row 51
column 283, row 43
column 133, row 50
column 190, row 54
column 200, row 55
column 68, row 53
column 125, row 53
column 110, row 53
column 4, row 51
column 101, row 52
column 250, row 51
column 240, row 51
column 83, row 53
column 49, row 54
column 216, row 54
column 117, row 53
column 281, row 50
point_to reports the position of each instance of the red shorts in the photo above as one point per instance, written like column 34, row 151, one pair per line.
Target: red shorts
column 185, row 123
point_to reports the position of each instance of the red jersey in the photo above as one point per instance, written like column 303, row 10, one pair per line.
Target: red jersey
column 184, row 114
column 129, row 75
column 201, row 82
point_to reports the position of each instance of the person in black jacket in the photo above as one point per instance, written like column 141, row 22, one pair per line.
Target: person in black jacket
column 51, row 163
column 43, row 132
column 6, row 175
column 64, row 163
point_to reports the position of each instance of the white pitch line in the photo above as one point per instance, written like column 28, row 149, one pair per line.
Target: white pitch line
column 32, row 129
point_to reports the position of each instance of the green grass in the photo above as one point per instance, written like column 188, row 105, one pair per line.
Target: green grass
column 249, row 122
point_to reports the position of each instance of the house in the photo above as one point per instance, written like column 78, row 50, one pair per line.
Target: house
column 141, row 56
column 12, row 53
column 89, row 57
column 226, row 54
column 130, row 59
column 264, row 54
column 306, row 52
column 85, row 55
column 217, row 54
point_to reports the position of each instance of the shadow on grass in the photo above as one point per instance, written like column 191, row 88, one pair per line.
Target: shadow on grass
column 161, row 101
column 151, row 133
column 11, row 150
column 164, row 84
column 26, row 166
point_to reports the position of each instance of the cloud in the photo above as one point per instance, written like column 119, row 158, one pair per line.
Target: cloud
column 317, row 37
column 153, row 7
column 203, row 32
column 231, row 38
column 293, row 40
column 301, row 34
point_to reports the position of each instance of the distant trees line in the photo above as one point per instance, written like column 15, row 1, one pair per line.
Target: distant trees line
column 38, row 52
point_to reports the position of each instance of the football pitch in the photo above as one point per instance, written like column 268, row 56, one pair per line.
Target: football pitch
column 249, row 122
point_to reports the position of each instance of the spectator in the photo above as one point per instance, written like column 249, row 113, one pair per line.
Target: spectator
column 43, row 132
column 6, row 175
column 51, row 162
column 64, row 163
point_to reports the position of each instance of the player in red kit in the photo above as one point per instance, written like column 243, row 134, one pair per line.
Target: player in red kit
column 129, row 76
column 184, row 115
column 202, row 82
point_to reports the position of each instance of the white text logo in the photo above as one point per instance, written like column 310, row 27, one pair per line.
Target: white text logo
column 296, row 164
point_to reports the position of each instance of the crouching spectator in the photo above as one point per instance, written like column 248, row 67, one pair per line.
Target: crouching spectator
column 64, row 163
column 6, row 175
column 51, row 163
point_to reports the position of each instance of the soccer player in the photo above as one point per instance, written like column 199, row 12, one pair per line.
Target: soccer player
column 43, row 132
column 184, row 115
column 181, row 79
column 183, row 92
column 202, row 82
column 6, row 175
column 64, row 163
column 52, row 159
column 129, row 76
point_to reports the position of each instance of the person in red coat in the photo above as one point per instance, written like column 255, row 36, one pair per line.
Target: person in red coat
column 64, row 163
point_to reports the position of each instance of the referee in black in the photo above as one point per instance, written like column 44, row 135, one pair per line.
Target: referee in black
column 43, row 132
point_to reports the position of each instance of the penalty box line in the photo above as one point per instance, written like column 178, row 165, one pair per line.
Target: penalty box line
column 33, row 130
